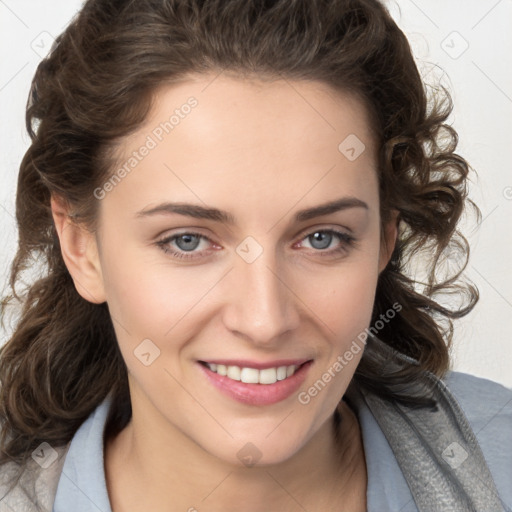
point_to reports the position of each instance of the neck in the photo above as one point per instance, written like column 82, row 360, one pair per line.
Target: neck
column 165, row 470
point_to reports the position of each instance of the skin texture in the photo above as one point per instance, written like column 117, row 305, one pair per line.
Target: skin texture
column 261, row 151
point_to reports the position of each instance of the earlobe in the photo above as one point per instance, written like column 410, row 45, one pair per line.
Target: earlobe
column 389, row 238
column 80, row 253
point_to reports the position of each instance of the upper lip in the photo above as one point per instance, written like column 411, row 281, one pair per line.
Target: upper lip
column 258, row 365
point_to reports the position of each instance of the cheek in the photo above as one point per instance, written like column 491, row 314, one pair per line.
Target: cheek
column 345, row 313
column 149, row 296
column 341, row 298
column 347, row 310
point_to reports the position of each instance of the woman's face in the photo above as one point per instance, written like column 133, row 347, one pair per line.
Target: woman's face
column 261, row 276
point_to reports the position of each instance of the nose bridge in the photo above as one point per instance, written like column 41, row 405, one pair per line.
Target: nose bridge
column 263, row 305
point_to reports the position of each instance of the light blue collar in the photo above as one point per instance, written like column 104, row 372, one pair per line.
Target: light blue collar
column 82, row 486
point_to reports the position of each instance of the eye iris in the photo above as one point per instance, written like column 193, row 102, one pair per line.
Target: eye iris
column 324, row 238
column 187, row 238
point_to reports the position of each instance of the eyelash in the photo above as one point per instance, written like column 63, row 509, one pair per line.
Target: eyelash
column 347, row 241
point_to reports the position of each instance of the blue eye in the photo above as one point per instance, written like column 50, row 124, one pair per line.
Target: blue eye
column 185, row 244
column 326, row 237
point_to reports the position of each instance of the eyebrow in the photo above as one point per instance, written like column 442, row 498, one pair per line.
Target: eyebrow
column 201, row 212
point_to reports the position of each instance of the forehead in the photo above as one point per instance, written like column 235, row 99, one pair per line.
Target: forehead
column 306, row 107
column 215, row 137
column 309, row 110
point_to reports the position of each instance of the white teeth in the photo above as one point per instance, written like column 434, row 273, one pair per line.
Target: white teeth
column 249, row 375
column 234, row 372
column 281, row 373
column 268, row 376
column 252, row 375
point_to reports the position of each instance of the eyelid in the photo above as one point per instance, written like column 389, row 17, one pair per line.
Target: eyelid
column 324, row 227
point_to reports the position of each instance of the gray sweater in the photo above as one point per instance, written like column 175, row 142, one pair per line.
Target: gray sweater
column 456, row 458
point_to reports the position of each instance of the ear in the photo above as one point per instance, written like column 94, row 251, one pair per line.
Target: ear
column 80, row 253
column 388, row 242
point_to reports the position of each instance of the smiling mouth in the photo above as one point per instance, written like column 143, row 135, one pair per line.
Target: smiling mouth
column 249, row 375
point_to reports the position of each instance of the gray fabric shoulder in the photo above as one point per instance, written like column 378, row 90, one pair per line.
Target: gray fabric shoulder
column 487, row 406
column 34, row 490
column 435, row 446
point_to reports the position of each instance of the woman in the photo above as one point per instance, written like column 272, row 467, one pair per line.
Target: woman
column 227, row 195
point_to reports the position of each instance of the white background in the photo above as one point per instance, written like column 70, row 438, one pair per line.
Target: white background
column 479, row 78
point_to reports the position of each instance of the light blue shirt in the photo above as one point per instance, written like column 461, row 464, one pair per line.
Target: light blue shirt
column 486, row 404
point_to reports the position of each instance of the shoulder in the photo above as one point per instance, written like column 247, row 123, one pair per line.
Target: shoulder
column 487, row 406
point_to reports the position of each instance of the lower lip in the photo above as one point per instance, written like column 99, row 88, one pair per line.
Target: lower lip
column 258, row 394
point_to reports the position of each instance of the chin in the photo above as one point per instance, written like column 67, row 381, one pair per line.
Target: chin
column 257, row 451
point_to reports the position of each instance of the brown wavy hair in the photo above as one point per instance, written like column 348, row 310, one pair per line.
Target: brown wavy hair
column 97, row 85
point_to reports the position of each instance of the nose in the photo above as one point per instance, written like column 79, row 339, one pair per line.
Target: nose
column 262, row 306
